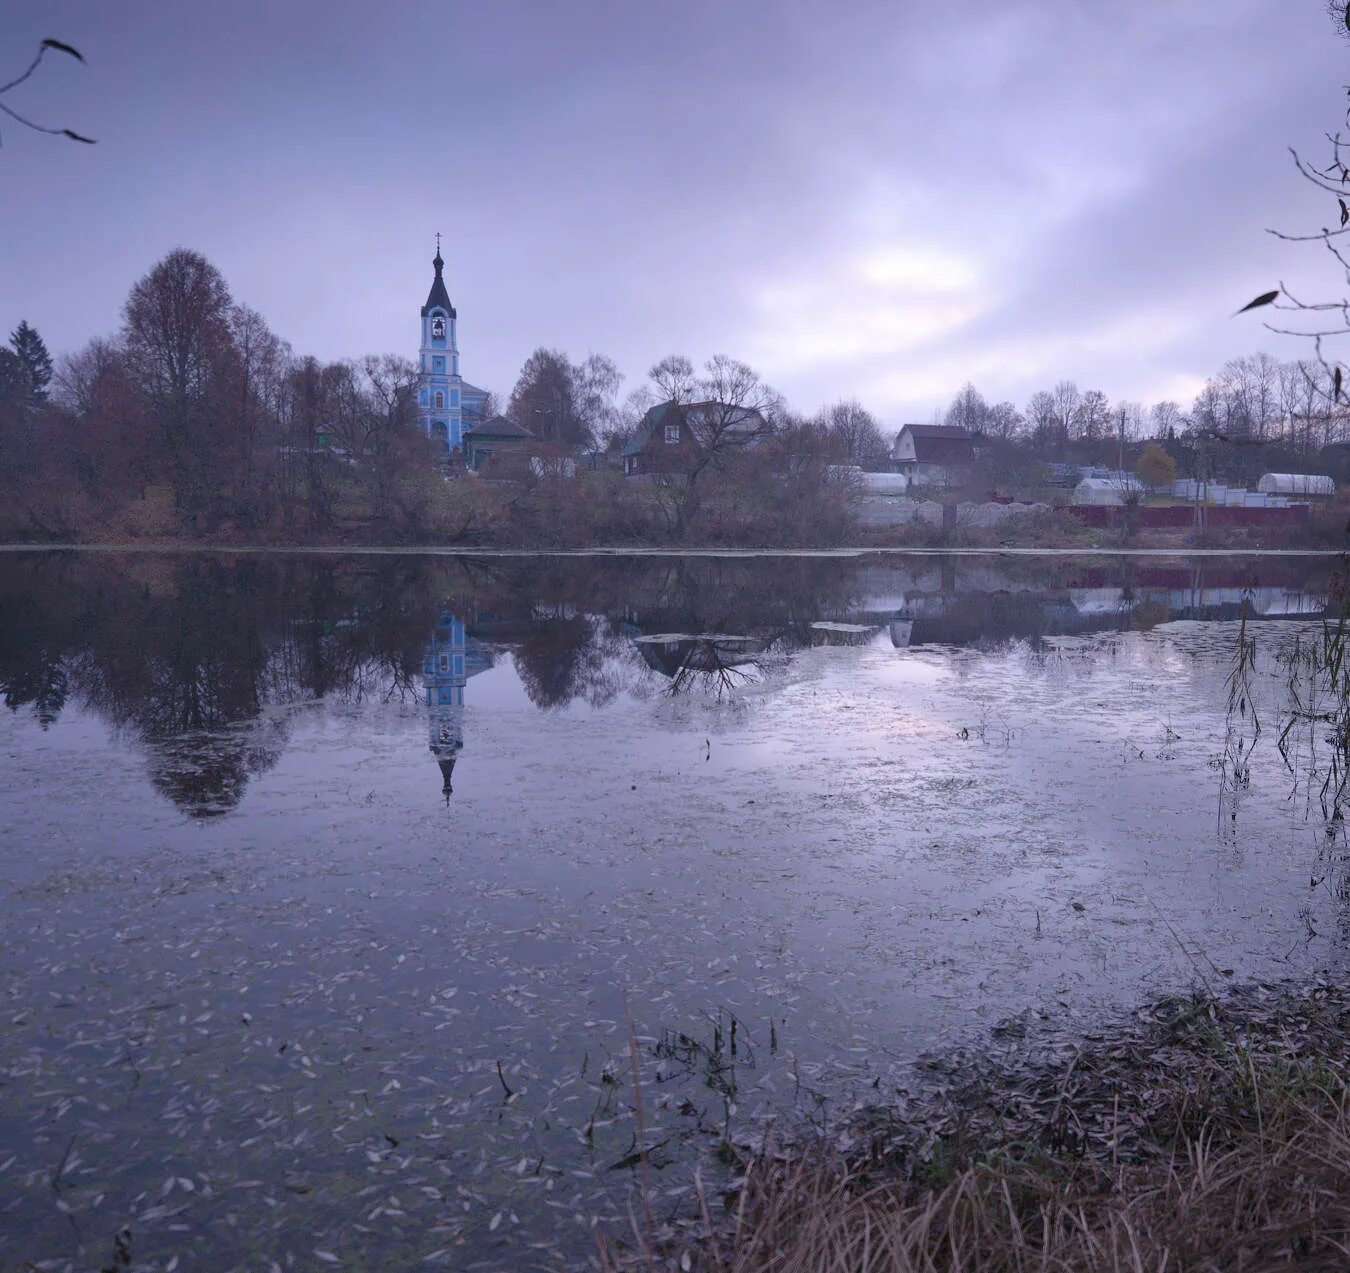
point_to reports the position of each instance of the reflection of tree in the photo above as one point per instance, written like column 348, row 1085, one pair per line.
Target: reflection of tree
column 194, row 658
column 551, row 659
column 718, row 668
column 35, row 641
column 42, row 682
column 205, row 774
column 183, row 673
column 570, row 657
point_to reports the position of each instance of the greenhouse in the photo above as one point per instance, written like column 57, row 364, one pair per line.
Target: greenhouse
column 1297, row 484
column 1105, row 490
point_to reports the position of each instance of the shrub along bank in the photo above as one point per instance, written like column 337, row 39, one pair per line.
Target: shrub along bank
column 1202, row 1133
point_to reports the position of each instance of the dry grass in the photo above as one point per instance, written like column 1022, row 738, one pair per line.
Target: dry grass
column 1280, row 1197
column 1202, row 1135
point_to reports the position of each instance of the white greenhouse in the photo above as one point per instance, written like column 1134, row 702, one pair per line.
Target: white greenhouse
column 1297, row 484
column 883, row 483
column 1104, row 490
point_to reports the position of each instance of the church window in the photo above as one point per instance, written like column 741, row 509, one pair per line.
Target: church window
column 440, row 400
column 673, row 434
column 438, row 328
column 445, row 662
column 438, row 364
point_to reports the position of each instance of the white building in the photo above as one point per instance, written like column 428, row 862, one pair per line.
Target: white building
column 933, row 454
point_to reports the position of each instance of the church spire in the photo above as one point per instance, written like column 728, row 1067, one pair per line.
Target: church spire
column 438, row 295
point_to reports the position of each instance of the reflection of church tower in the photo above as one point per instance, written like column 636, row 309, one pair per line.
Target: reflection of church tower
column 444, row 675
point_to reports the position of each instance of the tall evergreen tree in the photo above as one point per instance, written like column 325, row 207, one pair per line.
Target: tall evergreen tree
column 32, row 352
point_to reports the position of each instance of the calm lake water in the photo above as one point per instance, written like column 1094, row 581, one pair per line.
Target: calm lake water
column 332, row 884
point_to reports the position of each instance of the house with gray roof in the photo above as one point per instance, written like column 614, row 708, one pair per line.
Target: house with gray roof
column 934, row 454
column 491, row 438
column 672, row 435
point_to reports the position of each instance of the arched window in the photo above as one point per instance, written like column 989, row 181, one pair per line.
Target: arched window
column 440, row 400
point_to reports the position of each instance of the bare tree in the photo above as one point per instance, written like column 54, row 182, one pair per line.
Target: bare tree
column 1043, row 418
column 176, row 333
column 735, row 411
column 1094, row 416
column 1322, row 321
column 1067, row 403
column 1250, row 386
column 674, row 378
column 851, row 433
column 543, row 399
column 1004, row 421
column 1167, row 419
column 570, row 404
column 1210, row 411
column 595, row 385
column 260, row 365
column 968, row 410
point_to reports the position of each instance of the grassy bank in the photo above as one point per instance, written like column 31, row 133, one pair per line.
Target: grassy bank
column 1203, row 1133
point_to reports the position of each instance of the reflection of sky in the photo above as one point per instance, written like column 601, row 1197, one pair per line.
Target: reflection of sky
column 860, row 846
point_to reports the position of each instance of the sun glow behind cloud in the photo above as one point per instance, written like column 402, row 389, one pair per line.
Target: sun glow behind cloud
column 887, row 301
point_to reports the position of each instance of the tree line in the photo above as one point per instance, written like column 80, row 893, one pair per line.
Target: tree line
column 195, row 418
column 1254, row 398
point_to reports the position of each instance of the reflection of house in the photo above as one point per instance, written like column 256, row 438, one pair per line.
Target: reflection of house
column 990, row 619
column 450, row 660
column 934, row 454
column 487, row 443
column 672, row 435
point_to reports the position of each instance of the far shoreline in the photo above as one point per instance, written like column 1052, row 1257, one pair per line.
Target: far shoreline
column 841, row 552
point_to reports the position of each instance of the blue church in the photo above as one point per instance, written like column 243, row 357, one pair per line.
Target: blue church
column 447, row 405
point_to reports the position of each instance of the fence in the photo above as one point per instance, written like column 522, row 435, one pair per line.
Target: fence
column 1182, row 516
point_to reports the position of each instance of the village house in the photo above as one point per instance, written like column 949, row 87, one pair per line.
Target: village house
column 672, row 435
column 492, row 440
column 934, row 454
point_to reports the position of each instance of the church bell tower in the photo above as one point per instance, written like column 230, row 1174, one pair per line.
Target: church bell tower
column 439, row 386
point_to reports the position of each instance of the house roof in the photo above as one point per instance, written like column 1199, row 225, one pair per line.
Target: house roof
column 694, row 416
column 655, row 417
column 939, row 443
column 438, row 296
column 498, row 427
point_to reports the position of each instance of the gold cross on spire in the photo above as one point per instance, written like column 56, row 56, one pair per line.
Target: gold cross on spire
column 438, row 243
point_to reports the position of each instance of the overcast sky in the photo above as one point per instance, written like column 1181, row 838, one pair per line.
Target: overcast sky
column 870, row 198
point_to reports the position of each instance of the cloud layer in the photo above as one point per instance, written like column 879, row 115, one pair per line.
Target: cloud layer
column 879, row 200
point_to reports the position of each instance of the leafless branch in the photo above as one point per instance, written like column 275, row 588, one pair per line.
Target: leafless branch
column 43, row 48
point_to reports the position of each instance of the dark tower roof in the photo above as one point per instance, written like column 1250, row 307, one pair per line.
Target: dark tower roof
column 438, row 296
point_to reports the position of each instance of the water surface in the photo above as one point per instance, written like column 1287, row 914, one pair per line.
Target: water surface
column 332, row 884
